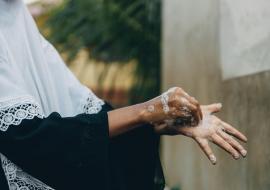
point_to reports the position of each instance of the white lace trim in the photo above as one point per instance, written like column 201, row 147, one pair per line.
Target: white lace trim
column 13, row 111
column 19, row 180
column 93, row 104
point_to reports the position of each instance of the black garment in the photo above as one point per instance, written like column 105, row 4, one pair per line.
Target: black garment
column 77, row 153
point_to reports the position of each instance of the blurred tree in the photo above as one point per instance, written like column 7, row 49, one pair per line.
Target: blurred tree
column 114, row 30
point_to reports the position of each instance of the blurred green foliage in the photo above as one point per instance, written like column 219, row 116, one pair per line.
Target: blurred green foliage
column 113, row 30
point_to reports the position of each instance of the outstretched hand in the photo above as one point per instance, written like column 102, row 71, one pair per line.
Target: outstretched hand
column 210, row 129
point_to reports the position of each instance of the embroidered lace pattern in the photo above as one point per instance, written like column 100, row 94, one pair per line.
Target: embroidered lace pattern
column 12, row 112
column 92, row 105
column 19, row 180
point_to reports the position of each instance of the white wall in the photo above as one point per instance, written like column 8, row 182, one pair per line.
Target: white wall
column 191, row 59
column 244, row 37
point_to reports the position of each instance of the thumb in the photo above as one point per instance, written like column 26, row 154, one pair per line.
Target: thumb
column 213, row 108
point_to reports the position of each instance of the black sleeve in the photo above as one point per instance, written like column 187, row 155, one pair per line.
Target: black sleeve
column 134, row 161
column 76, row 153
column 64, row 153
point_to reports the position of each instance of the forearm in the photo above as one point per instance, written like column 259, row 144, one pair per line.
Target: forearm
column 125, row 119
column 175, row 103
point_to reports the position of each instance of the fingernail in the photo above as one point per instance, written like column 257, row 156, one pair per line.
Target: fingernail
column 219, row 105
column 236, row 156
column 213, row 159
column 244, row 153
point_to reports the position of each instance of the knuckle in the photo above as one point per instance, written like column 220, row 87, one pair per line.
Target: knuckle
column 230, row 141
column 178, row 90
column 196, row 102
column 194, row 99
column 174, row 101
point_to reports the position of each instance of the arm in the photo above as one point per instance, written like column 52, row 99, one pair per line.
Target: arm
column 173, row 104
column 125, row 119
column 78, row 150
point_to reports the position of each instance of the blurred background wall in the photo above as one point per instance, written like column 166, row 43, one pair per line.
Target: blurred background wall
column 192, row 53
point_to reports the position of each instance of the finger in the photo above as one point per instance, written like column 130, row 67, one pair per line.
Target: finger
column 189, row 107
column 213, row 108
column 187, row 96
column 198, row 107
column 207, row 150
column 200, row 111
column 195, row 102
column 195, row 112
column 229, row 139
column 226, row 146
column 234, row 132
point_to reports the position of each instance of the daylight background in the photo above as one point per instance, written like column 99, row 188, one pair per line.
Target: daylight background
column 128, row 51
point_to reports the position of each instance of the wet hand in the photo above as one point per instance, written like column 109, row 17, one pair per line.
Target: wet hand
column 173, row 104
column 210, row 129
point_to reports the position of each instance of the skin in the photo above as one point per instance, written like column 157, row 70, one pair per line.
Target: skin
column 210, row 129
column 138, row 114
column 207, row 127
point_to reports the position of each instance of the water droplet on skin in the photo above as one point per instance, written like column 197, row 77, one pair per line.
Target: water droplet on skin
column 151, row 108
column 164, row 102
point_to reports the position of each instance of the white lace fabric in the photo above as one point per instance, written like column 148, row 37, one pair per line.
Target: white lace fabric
column 13, row 112
column 92, row 104
column 19, row 180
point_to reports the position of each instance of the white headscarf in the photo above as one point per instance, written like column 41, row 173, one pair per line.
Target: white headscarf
column 34, row 81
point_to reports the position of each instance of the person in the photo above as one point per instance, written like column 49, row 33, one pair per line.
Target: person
column 56, row 134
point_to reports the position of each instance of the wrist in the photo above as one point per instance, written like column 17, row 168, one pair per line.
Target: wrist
column 144, row 115
column 153, row 112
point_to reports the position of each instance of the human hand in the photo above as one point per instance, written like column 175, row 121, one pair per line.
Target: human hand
column 210, row 129
column 173, row 104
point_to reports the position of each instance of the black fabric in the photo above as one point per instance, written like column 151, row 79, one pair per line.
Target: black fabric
column 60, row 151
column 3, row 181
column 76, row 153
column 134, row 160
